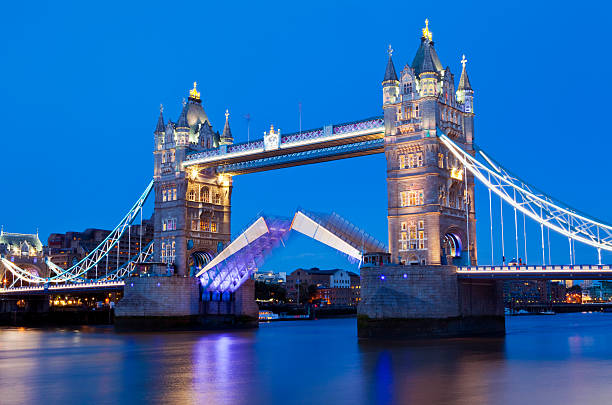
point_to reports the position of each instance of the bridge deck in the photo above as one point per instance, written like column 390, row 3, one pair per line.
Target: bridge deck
column 537, row 272
column 62, row 288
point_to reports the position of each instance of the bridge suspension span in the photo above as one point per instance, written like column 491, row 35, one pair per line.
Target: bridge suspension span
column 78, row 272
column 533, row 203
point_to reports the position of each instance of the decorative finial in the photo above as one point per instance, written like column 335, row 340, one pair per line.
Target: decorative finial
column 426, row 33
column 161, row 108
column 194, row 93
column 184, row 102
column 226, row 114
column 390, row 51
column 463, row 61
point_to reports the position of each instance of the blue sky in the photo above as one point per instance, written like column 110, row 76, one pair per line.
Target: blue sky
column 82, row 83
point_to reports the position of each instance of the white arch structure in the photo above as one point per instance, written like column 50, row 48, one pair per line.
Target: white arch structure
column 532, row 202
column 76, row 272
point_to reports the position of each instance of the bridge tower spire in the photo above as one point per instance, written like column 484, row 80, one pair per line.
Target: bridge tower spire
column 430, row 196
column 192, row 207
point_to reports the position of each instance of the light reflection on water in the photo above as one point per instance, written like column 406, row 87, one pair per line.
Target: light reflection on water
column 561, row 358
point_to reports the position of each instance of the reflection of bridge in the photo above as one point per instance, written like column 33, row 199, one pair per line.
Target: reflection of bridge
column 427, row 135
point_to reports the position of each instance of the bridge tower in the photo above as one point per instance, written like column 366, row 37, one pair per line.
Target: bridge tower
column 192, row 208
column 431, row 213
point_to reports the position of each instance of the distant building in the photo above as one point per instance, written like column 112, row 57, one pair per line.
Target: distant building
column 23, row 249
column 598, row 291
column 270, row 277
column 20, row 245
column 533, row 292
column 67, row 249
column 334, row 287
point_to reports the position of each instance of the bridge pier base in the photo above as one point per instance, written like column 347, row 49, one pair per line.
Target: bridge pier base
column 427, row 301
column 167, row 303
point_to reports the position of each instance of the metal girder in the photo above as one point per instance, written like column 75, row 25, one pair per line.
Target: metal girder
column 531, row 202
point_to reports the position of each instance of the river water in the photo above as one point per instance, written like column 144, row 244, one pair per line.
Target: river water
column 560, row 359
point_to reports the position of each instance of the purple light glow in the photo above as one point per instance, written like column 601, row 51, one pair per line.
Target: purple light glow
column 382, row 277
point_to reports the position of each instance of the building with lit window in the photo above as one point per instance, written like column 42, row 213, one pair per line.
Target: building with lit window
column 334, row 287
column 23, row 249
column 270, row 277
column 192, row 221
column 529, row 292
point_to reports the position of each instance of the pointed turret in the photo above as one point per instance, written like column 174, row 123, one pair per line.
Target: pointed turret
column 465, row 93
column 390, row 83
column 160, row 128
column 390, row 74
column 182, row 121
column 464, row 81
column 226, row 137
column 426, row 58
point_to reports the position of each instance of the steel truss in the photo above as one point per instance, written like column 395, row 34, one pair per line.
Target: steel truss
column 533, row 203
column 78, row 272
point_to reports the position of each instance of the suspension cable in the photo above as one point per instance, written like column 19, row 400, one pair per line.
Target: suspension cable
column 542, row 232
column 516, row 230
column 501, row 210
column 491, row 224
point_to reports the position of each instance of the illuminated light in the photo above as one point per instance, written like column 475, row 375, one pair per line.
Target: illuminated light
column 224, row 179
column 405, row 275
column 382, row 277
column 194, row 93
column 456, row 173
column 426, row 33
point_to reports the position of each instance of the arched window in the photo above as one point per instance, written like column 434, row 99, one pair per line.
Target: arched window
column 205, row 194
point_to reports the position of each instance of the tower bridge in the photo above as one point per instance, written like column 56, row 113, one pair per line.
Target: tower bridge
column 427, row 279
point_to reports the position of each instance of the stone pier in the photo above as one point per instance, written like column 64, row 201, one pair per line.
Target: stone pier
column 399, row 301
column 166, row 303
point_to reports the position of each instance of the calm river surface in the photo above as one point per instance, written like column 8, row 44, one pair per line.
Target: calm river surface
column 560, row 359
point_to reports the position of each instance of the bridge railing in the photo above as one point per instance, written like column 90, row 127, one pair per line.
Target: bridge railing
column 575, row 267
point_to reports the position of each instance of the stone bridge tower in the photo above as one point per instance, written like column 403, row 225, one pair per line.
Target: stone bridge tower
column 431, row 213
column 192, row 209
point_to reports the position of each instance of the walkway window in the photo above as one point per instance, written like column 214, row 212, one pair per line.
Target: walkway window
column 402, row 161
column 213, row 227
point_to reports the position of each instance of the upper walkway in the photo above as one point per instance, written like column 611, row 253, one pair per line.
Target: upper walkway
column 331, row 142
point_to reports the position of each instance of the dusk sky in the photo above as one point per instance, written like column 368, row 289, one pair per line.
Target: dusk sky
column 82, row 83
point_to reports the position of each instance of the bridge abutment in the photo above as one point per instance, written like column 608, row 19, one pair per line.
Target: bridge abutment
column 166, row 303
column 427, row 301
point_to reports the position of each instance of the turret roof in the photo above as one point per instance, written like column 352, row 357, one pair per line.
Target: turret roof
column 426, row 58
column 160, row 121
column 227, row 132
column 390, row 71
column 464, row 80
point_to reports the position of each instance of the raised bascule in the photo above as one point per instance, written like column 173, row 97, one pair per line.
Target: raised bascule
column 426, row 282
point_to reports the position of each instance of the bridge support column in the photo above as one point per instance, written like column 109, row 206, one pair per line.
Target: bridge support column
column 427, row 301
column 158, row 303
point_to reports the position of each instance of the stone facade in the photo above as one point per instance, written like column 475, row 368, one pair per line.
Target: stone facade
column 159, row 297
column 427, row 301
column 428, row 190
column 192, row 208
